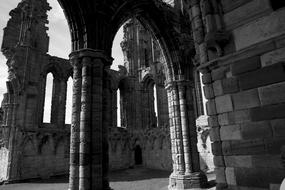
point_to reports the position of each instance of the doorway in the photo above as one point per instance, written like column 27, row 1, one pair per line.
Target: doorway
column 138, row 155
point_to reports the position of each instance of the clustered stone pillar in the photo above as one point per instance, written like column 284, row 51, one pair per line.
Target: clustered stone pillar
column 186, row 170
column 75, row 126
column 91, row 147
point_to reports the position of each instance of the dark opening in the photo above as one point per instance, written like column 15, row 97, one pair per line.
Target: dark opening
column 138, row 155
column 277, row 4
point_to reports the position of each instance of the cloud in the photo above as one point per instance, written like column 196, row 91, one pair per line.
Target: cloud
column 60, row 41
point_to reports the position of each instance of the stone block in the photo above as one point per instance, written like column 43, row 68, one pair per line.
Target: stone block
column 245, row 65
column 219, row 161
column 215, row 134
column 254, row 130
column 246, row 99
column 266, row 161
column 280, row 42
column 230, row 176
column 265, row 76
column 217, row 148
column 278, row 127
column 235, row 117
column 225, row 86
column 219, row 73
column 244, row 147
column 258, row 177
column 213, row 121
column 230, row 85
column 274, row 145
column 229, row 5
column 274, row 187
column 208, row 91
column 224, row 119
column 206, row 78
column 243, row 161
column 272, row 94
column 262, row 29
column 230, row 132
column 220, row 175
column 224, row 104
column 273, row 57
column 246, row 12
column 211, row 107
column 267, row 112
column 218, row 88
column 240, row 116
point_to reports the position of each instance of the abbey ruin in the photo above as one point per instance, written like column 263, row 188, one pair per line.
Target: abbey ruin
column 151, row 111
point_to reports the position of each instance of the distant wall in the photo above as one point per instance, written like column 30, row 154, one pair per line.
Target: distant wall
column 44, row 156
column 3, row 163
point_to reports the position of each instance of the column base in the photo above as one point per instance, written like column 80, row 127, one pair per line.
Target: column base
column 188, row 181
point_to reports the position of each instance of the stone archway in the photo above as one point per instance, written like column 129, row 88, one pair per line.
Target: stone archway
column 93, row 27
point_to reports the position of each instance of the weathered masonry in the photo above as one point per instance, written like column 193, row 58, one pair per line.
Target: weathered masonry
column 237, row 46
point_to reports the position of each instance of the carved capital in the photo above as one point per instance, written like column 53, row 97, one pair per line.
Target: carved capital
column 92, row 54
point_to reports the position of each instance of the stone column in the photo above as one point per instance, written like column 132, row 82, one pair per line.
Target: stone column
column 62, row 103
column 175, row 132
column 55, row 101
column 75, row 126
column 172, row 129
column 93, row 154
column 188, row 174
column 85, row 125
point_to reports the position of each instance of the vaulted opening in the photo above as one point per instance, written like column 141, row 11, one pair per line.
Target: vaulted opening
column 138, row 155
column 48, row 98
column 68, row 107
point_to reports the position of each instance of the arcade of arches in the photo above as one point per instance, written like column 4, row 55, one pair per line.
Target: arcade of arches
column 238, row 48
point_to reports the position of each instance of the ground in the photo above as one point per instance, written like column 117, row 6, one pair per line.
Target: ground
column 131, row 179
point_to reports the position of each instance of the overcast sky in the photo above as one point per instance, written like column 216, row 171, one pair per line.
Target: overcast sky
column 60, row 45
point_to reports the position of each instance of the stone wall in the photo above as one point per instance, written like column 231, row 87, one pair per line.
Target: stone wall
column 36, row 149
column 155, row 145
column 45, row 153
column 3, row 163
column 245, row 86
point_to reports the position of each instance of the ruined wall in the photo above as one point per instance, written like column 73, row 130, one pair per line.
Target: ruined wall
column 45, row 155
column 155, row 145
column 145, row 67
column 120, row 153
column 4, row 156
column 36, row 149
column 240, row 45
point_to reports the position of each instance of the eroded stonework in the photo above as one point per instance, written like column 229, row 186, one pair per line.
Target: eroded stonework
column 29, row 147
column 236, row 45
column 32, row 149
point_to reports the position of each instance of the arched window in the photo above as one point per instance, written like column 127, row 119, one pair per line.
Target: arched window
column 68, row 107
column 155, row 103
column 48, row 98
column 119, row 124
